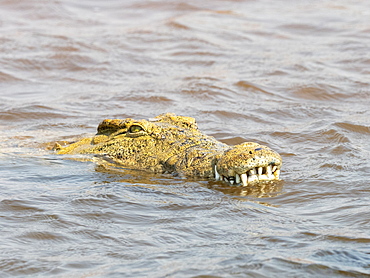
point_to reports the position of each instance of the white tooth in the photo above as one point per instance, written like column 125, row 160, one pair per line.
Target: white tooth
column 231, row 181
column 244, row 179
column 260, row 170
column 217, row 175
column 226, row 179
column 269, row 170
column 237, row 178
column 274, row 168
column 252, row 172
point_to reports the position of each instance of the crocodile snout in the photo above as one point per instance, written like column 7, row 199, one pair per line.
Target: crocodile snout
column 248, row 163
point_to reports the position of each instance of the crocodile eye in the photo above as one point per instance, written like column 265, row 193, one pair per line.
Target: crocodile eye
column 135, row 129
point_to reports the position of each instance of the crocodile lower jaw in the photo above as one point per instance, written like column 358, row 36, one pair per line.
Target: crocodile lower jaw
column 253, row 175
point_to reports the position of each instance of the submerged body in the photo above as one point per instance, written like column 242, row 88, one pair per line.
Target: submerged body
column 170, row 143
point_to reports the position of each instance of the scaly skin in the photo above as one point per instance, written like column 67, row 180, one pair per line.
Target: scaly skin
column 170, row 143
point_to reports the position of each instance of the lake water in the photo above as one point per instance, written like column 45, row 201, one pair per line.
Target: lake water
column 292, row 75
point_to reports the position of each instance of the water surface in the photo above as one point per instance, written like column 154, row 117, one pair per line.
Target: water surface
column 290, row 75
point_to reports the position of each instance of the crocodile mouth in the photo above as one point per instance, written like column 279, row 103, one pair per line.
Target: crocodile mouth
column 253, row 175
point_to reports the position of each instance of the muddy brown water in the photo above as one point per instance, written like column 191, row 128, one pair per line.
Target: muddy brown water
column 293, row 75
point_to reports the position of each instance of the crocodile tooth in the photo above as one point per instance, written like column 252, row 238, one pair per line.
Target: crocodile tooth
column 269, row 172
column 231, row 181
column 237, row 178
column 217, row 175
column 274, row 168
column 226, row 179
column 244, row 179
column 260, row 170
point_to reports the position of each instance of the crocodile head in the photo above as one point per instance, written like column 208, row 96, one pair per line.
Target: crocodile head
column 173, row 144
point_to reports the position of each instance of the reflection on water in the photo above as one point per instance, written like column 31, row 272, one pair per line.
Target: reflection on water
column 151, row 181
column 289, row 75
column 262, row 190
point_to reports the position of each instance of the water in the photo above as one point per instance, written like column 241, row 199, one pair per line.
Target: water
column 291, row 75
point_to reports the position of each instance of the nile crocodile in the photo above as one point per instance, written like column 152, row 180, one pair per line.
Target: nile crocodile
column 173, row 144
